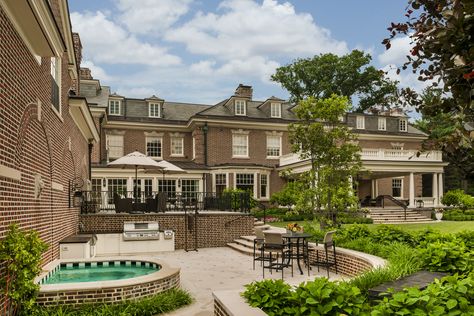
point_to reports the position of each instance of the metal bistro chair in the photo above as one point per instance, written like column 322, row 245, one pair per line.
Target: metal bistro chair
column 325, row 261
column 275, row 244
column 258, row 246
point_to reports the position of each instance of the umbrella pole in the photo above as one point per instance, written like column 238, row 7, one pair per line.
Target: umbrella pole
column 136, row 186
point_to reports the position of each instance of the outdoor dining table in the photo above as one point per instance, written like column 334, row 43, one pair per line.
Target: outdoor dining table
column 301, row 243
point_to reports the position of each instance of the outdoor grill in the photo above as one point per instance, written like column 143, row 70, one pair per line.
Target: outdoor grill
column 140, row 231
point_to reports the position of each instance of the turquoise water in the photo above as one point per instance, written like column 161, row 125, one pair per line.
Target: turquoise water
column 98, row 273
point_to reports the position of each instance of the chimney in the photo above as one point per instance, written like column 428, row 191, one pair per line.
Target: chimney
column 77, row 48
column 244, row 91
column 85, row 73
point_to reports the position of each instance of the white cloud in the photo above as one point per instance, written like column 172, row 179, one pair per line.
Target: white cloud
column 108, row 43
column 406, row 78
column 246, row 28
column 203, row 67
column 96, row 71
column 397, row 53
column 151, row 16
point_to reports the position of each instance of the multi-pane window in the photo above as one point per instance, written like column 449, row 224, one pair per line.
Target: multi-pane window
column 397, row 187
column 402, row 125
column 167, row 186
column 114, row 107
column 382, row 124
column 177, row 146
column 275, row 109
column 240, row 108
column 115, row 146
column 273, row 146
column 244, row 181
column 116, row 186
column 263, row 186
column 153, row 147
column 55, row 83
column 96, row 187
column 189, row 188
column 144, row 188
column 221, row 183
column 154, row 110
column 240, row 145
column 360, row 122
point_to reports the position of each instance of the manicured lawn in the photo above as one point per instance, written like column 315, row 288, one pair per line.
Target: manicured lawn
column 444, row 226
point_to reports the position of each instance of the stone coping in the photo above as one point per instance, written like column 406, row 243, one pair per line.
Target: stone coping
column 166, row 213
column 165, row 272
column 234, row 304
column 374, row 261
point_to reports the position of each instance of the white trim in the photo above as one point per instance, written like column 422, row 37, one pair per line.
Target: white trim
column 244, row 108
column 383, row 126
column 57, row 186
column 277, row 106
column 405, row 125
column 109, row 112
column 10, row 173
column 181, row 138
column 150, row 137
column 247, row 145
column 280, row 144
column 360, row 122
column 402, row 187
column 152, row 104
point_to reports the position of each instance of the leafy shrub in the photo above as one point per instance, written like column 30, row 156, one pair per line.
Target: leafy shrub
column 387, row 234
column 451, row 256
column 450, row 296
column 272, row 296
column 351, row 232
column 161, row 303
column 452, row 197
column 288, row 196
column 467, row 236
column 459, row 215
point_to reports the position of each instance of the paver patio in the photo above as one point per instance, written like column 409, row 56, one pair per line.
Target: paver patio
column 213, row 269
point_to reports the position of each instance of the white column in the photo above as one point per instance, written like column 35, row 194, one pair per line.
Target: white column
column 440, row 187
column 411, row 201
column 372, row 189
column 376, row 187
column 435, row 189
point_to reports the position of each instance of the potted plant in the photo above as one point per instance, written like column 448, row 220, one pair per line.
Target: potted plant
column 439, row 214
column 293, row 228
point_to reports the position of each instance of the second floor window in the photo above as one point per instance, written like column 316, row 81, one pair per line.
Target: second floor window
column 275, row 110
column 273, row 146
column 403, row 125
column 114, row 107
column 56, row 83
column 240, row 108
column 154, row 110
column 177, row 146
column 153, row 147
column 360, row 122
column 382, row 123
column 240, row 145
column 115, row 146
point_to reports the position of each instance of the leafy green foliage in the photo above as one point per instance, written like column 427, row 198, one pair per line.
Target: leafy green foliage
column 155, row 305
column 272, row 296
column 387, row 234
column 288, row 196
column 458, row 215
column 21, row 252
column 452, row 257
column 238, row 198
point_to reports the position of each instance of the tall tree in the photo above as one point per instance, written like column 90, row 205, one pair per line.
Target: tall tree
column 326, row 74
column 442, row 54
column 329, row 145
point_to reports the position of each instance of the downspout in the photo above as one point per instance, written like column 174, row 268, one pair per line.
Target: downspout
column 91, row 145
column 102, row 139
column 205, row 129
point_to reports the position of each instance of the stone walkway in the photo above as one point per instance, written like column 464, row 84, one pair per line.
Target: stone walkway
column 215, row 269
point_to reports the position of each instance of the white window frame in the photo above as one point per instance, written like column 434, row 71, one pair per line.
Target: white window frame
column 382, row 123
column 226, row 184
column 237, row 155
column 154, row 110
column 401, row 187
column 279, row 147
column 275, row 110
column 55, row 72
column 173, row 147
column 267, row 188
column 119, row 103
column 360, row 122
column 240, row 107
column 149, row 139
column 403, row 125
column 118, row 154
column 194, row 148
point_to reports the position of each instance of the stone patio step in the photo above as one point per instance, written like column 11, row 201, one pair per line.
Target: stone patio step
column 244, row 242
column 242, row 249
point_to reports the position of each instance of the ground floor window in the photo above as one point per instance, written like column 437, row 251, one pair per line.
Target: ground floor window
column 263, row 186
column 189, row 188
column 167, row 186
column 397, row 185
column 145, row 188
column 96, row 188
column 221, row 183
column 427, row 184
column 116, row 186
column 244, row 181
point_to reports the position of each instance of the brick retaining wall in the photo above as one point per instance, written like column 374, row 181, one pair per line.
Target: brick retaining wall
column 214, row 229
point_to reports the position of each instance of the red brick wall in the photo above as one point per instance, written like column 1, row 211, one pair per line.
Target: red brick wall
column 36, row 144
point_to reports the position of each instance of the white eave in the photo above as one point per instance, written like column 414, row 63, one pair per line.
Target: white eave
column 80, row 113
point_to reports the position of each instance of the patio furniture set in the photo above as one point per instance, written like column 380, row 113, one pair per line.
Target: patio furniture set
column 276, row 251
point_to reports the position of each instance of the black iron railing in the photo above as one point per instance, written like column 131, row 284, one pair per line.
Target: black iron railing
column 154, row 202
column 403, row 204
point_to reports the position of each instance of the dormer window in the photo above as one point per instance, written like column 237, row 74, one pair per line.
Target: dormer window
column 115, row 107
column 403, row 125
column 360, row 122
column 240, row 107
column 382, row 124
column 154, row 110
column 275, row 109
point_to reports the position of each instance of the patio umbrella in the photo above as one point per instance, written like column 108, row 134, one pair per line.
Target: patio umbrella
column 135, row 160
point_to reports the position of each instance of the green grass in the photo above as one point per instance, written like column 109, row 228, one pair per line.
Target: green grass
column 444, row 226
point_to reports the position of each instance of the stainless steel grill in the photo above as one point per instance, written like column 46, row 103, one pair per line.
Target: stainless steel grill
column 140, row 231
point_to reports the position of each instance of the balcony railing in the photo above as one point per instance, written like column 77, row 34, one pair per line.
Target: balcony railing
column 155, row 202
column 380, row 154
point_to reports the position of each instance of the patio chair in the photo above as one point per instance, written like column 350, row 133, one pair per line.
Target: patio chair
column 124, row 205
column 326, row 261
column 275, row 244
column 161, row 201
column 258, row 254
column 152, row 204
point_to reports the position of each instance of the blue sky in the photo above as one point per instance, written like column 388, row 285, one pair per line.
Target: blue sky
column 199, row 51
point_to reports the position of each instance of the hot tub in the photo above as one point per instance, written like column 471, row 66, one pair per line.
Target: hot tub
column 107, row 280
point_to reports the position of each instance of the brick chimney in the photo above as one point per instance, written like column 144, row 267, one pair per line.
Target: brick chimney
column 85, row 73
column 244, row 91
column 77, row 48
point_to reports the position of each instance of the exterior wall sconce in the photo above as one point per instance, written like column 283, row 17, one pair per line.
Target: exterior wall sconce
column 77, row 199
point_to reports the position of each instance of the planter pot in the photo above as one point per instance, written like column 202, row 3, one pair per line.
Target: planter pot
column 439, row 216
